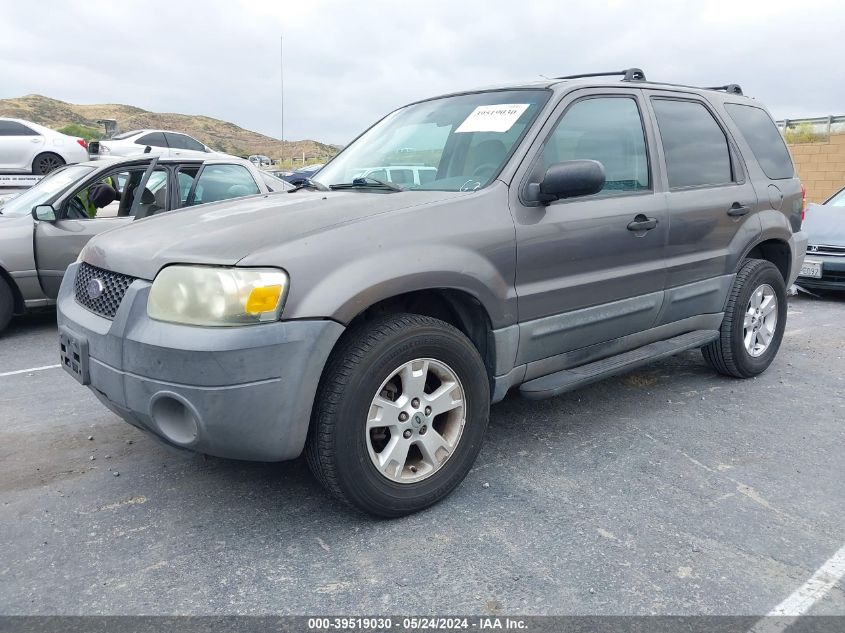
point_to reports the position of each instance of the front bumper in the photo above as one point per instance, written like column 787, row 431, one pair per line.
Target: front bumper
column 237, row 392
column 833, row 274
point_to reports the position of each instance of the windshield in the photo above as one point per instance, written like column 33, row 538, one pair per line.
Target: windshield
column 52, row 184
column 451, row 144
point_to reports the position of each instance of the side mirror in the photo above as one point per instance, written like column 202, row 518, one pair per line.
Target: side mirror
column 570, row 179
column 44, row 213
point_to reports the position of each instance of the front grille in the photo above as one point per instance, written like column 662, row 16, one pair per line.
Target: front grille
column 114, row 286
column 819, row 249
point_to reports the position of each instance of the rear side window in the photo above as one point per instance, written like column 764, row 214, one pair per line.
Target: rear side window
column 13, row 128
column 155, row 139
column 222, row 182
column 695, row 147
column 180, row 141
column 764, row 138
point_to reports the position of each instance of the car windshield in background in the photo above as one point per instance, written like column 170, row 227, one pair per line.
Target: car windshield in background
column 46, row 188
column 838, row 200
column 273, row 183
column 455, row 143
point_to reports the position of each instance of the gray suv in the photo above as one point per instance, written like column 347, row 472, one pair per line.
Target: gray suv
column 574, row 229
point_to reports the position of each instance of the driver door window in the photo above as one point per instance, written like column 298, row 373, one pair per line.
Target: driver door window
column 606, row 129
column 113, row 195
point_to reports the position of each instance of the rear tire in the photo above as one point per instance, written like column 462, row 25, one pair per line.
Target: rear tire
column 391, row 370
column 755, row 318
column 7, row 304
column 46, row 162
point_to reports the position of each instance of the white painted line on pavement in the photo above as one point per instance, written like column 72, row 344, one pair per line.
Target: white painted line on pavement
column 803, row 598
column 26, row 371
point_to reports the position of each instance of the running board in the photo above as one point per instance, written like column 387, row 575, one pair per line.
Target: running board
column 568, row 379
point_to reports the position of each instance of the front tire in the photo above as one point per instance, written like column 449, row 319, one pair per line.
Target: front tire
column 44, row 163
column 399, row 416
column 755, row 318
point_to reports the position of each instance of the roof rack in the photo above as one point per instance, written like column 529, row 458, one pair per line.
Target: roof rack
column 733, row 89
column 630, row 74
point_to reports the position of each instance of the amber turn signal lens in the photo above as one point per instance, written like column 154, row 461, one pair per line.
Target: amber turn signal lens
column 263, row 299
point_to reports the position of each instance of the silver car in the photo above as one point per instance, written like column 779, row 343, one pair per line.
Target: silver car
column 43, row 229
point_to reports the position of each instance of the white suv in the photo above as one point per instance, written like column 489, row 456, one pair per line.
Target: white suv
column 29, row 147
column 161, row 143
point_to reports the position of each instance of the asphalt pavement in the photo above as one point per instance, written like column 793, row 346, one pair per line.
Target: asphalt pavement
column 670, row 490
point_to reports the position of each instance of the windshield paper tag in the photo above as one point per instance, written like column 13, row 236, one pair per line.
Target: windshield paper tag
column 493, row 118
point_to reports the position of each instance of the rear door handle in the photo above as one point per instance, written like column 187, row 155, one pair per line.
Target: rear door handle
column 642, row 223
column 738, row 210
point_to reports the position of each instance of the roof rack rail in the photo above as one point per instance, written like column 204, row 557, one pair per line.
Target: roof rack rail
column 630, row 74
column 733, row 89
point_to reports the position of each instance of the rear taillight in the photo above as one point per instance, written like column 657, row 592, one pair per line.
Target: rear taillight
column 82, row 142
column 803, row 202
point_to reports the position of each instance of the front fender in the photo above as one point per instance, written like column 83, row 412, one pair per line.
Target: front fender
column 345, row 292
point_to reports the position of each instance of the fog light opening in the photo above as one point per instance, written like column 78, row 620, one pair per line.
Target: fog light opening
column 175, row 420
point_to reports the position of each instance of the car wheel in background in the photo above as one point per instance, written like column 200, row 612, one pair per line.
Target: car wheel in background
column 399, row 415
column 46, row 162
column 7, row 304
column 755, row 318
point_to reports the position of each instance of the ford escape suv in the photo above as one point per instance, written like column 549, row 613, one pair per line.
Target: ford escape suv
column 573, row 229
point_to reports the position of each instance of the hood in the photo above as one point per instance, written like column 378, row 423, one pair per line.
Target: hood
column 224, row 233
column 825, row 224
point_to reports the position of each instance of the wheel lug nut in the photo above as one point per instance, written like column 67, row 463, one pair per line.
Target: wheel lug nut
column 407, row 433
column 428, row 410
column 403, row 416
column 423, row 429
column 415, row 403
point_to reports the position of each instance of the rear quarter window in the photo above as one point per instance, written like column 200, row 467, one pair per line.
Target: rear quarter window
column 765, row 140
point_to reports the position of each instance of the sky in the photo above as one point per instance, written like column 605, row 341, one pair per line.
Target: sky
column 346, row 63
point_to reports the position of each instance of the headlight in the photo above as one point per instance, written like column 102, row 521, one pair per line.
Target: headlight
column 211, row 296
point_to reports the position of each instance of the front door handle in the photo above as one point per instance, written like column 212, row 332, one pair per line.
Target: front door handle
column 738, row 210
column 642, row 223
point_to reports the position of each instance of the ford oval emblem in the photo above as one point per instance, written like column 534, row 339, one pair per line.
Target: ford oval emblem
column 95, row 288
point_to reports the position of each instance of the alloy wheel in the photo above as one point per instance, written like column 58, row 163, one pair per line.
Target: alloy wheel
column 48, row 163
column 416, row 420
column 761, row 318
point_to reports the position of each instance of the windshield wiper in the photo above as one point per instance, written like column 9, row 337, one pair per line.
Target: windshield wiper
column 367, row 182
column 309, row 184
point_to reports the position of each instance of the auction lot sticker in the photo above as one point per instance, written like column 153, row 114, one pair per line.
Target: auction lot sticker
column 492, row 118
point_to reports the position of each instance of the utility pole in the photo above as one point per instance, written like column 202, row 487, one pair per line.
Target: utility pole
column 282, row 85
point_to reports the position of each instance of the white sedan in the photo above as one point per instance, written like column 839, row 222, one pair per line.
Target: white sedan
column 31, row 148
column 161, row 143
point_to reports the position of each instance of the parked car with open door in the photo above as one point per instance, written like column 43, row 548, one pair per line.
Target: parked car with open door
column 43, row 229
